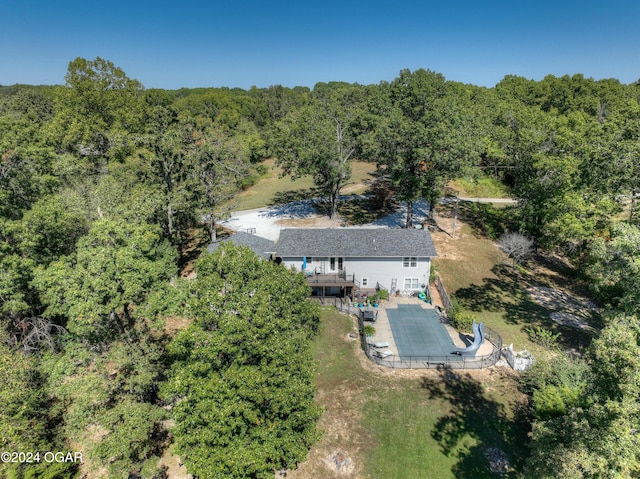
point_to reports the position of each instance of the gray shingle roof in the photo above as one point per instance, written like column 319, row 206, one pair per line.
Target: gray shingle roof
column 260, row 246
column 355, row 242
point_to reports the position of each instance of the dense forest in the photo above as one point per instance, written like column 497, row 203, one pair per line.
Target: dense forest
column 105, row 186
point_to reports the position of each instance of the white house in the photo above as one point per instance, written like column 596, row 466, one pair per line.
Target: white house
column 338, row 259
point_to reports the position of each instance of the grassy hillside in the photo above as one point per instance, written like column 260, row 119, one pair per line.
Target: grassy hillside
column 273, row 188
column 407, row 424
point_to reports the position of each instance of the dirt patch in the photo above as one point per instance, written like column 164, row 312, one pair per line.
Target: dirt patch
column 567, row 309
column 436, row 299
column 340, row 463
column 445, row 243
column 173, row 324
column 309, row 222
column 172, row 465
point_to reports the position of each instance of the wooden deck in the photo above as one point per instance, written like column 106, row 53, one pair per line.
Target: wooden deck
column 337, row 279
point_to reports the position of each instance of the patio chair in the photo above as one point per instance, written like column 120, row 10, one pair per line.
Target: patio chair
column 384, row 354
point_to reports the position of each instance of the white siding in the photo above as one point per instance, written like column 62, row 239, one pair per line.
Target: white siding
column 379, row 271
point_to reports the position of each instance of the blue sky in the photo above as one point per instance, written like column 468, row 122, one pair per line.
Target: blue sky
column 244, row 43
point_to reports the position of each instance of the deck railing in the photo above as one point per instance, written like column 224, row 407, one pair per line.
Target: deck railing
column 338, row 303
column 334, row 278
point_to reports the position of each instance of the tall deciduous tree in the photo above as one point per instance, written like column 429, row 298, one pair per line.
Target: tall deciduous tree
column 115, row 267
column 25, row 162
column 97, row 102
column 241, row 379
column 218, row 164
column 169, row 143
column 615, row 268
column 427, row 139
column 557, row 205
column 319, row 139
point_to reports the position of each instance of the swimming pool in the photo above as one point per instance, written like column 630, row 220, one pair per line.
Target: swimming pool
column 419, row 333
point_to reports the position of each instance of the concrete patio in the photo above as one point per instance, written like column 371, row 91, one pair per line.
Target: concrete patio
column 384, row 333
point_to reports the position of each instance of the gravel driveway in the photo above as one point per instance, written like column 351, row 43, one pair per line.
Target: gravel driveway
column 268, row 221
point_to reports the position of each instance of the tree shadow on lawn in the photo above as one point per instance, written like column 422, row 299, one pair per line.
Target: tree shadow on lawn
column 509, row 294
column 485, row 219
column 363, row 210
column 474, row 415
column 292, row 196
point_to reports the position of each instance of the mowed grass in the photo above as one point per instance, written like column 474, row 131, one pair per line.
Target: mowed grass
column 485, row 282
column 407, row 424
column 473, row 274
column 273, row 188
column 427, row 424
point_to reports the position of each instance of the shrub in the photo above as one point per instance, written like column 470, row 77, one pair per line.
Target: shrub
column 553, row 401
column 455, row 307
column 249, row 180
column 459, row 319
column 543, row 337
column 433, row 273
column 369, row 330
column 557, row 385
column 557, row 370
column 462, row 321
column 382, row 294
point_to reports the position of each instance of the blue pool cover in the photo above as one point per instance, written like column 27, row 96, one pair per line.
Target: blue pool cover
column 419, row 333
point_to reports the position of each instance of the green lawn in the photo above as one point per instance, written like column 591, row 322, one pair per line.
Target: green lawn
column 272, row 188
column 484, row 187
column 429, row 425
column 486, row 284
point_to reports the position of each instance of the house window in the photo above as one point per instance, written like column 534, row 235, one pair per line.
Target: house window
column 364, row 282
column 412, row 283
column 409, row 262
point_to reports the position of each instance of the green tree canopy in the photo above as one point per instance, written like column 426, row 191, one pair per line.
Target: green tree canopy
column 97, row 103
column 241, row 378
column 321, row 139
column 614, row 268
column 427, row 138
column 589, row 428
column 116, row 265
